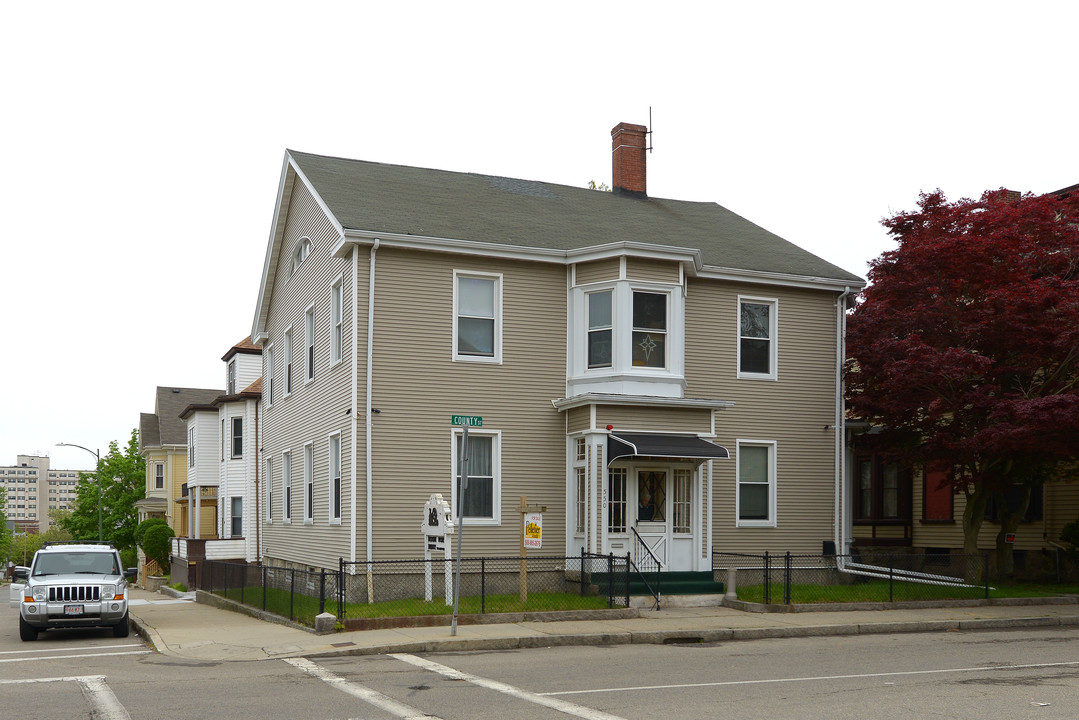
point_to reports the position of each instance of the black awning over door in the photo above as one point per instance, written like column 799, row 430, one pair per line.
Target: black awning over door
column 656, row 445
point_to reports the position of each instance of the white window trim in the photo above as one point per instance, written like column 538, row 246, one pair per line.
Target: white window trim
column 337, row 321
column 773, row 345
column 771, row 522
column 496, row 359
column 267, row 484
column 286, row 486
column 160, row 465
column 329, row 476
column 308, row 483
column 268, row 356
column 232, row 437
column 309, row 345
column 288, row 366
column 496, row 481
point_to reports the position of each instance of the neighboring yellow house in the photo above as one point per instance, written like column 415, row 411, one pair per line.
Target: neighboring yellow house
column 163, row 443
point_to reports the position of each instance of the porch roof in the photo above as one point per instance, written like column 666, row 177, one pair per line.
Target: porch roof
column 658, row 445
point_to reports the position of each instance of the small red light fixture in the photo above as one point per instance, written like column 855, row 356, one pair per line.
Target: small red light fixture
column 610, row 427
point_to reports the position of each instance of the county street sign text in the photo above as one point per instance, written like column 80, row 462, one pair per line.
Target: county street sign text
column 470, row 420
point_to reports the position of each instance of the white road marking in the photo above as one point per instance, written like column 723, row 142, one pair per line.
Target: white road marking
column 94, row 688
column 818, row 678
column 373, row 697
column 68, row 657
column 536, row 698
column 69, row 648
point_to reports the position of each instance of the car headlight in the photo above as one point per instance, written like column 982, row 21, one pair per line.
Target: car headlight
column 40, row 593
column 107, row 592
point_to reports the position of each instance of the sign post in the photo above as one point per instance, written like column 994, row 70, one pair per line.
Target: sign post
column 437, row 524
column 531, row 537
column 463, row 460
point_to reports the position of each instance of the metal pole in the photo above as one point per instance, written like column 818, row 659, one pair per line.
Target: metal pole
column 460, row 522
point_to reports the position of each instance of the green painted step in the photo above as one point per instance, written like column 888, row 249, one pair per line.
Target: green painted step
column 673, row 583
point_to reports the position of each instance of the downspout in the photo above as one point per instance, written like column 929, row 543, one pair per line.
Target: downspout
column 841, row 501
column 354, row 408
column 367, row 408
column 257, row 505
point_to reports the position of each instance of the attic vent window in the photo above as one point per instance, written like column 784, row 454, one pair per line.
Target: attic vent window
column 303, row 249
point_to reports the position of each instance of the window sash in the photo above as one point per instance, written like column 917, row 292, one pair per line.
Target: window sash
column 268, row 483
column 755, row 473
column 756, row 338
column 269, row 376
column 335, row 477
column 649, row 337
column 616, row 502
column 286, row 484
column 478, row 502
column 308, row 483
column 600, row 329
column 581, row 494
column 237, row 517
column 159, row 476
column 288, row 361
column 335, row 320
column 237, row 437
column 477, row 316
column 309, row 332
column 681, row 504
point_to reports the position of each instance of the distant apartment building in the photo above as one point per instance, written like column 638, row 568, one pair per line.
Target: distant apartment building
column 35, row 491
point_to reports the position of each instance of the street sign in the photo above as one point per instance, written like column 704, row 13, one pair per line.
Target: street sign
column 1009, row 537
column 533, row 531
column 470, row 420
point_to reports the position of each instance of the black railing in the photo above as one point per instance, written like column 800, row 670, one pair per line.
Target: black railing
column 773, row 578
column 648, row 564
column 394, row 588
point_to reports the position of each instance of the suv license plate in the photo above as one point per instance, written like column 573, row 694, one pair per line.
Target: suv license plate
column 72, row 609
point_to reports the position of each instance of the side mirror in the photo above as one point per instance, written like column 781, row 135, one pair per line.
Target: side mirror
column 131, row 573
column 21, row 573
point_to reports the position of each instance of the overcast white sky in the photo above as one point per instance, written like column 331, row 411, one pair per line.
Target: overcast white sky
column 144, row 142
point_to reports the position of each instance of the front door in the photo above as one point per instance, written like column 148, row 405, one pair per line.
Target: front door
column 651, row 521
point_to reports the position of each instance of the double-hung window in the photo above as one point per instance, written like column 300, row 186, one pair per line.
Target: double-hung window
column 649, row 330
column 159, row 476
column 600, row 326
column 477, row 317
column 288, row 361
column 231, row 382
column 579, row 461
column 480, row 504
column 237, row 437
column 308, row 483
column 190, row 446
column 309, row 338
column 616, row 503
column 268, row 381
column 757, row 345
column 286, row 486
column 756, row 483
column 267, row 481
column 336, row 322
column 335, row 478
column 237, row 517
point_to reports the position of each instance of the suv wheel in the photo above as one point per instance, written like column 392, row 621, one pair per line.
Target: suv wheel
column 122, row 628
column 27, row 631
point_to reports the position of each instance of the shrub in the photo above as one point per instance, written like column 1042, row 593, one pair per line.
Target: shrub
column 156, row 543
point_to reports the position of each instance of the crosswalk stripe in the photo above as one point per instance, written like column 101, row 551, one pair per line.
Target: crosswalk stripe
column 373, row 697
column 68, row 657
column 555, row 704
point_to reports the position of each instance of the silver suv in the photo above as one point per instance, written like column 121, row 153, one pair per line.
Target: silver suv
column 74, row 585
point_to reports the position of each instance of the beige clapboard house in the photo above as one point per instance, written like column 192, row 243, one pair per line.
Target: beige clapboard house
column 655, row 372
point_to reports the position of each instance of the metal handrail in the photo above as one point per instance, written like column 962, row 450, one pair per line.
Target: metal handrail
column 656, row 594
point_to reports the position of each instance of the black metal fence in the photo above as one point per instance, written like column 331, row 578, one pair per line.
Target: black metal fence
column 392, row 588
column 784, row 578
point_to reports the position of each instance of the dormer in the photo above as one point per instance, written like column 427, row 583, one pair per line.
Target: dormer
column 243, row 366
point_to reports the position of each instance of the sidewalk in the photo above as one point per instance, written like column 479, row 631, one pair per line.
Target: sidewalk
column 196, row 631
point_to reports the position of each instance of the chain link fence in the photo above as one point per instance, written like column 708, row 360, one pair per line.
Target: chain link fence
column 795, row 579
column 395, row 588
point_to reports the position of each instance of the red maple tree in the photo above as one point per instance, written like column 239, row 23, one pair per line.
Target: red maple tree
column 964, row 349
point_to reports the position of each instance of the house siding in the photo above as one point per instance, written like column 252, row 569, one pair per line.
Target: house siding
column 417, row 387
column 315, row 409
column 597, row 271
column 796, row 411
column 652, row 271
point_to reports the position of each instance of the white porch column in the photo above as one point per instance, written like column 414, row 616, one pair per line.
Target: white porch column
column 196, row 516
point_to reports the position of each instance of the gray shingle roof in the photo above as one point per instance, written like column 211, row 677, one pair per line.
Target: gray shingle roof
column 164, row 426
column 524, row 213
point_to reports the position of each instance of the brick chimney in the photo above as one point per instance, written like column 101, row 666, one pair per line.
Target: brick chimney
column 628, row 148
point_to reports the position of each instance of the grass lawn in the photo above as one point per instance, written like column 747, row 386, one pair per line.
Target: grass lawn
column 877, row 591
column 303, row 609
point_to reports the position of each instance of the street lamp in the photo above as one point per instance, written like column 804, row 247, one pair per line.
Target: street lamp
column 96, row 454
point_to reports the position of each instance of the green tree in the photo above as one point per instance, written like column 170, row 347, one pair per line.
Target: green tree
column 157, row 544
column 123, row 481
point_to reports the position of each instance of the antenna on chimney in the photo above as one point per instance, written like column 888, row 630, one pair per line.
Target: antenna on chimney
column 649, row 128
